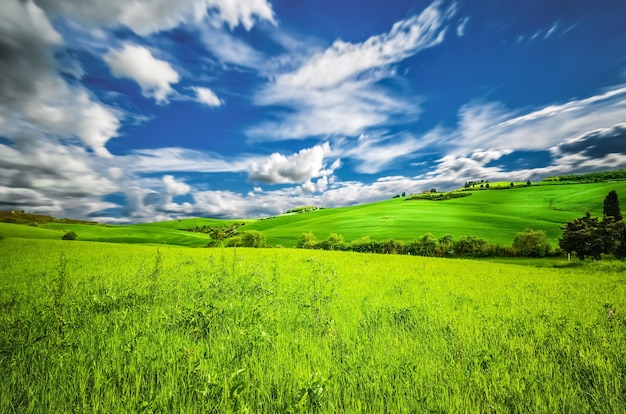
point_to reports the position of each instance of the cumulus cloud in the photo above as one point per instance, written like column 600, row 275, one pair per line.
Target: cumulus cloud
column 207, row 97
column 304, row 165
column 149, row 16
column 33, row 95
column 154, row 76
column 52, row 178
column 175, row 188
column 335, row 91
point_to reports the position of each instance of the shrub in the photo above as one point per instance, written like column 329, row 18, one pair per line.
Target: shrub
column 307, row 241
column 428, row 244
column 363, row 245
column 70, row 235
column 333, row 242
column 234, row 242
column 253, row 238
column 532, row 243
column 472, row 246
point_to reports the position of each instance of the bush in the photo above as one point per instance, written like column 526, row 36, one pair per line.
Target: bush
column 307, row 241
column 253, row 238
column 429, row 244
column 532, row 243
column 472, row 246
column 70, row 235
column 333, row 242
column 234, row 242
column 363, row 245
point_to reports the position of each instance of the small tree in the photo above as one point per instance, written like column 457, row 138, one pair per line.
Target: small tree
column 532, row 243
column 70, row 235
column 511, row 185
column 307, row 241
column 253, row 238
column 611, row 206
column 528, row 183
column 433, row 190
column 428, row 244
column 333, row 242
column 487, row 185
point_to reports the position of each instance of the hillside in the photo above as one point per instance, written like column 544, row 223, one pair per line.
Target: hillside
column 493, row 215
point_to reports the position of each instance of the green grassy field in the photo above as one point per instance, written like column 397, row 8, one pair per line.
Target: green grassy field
column 493, row 215
column 98, row 327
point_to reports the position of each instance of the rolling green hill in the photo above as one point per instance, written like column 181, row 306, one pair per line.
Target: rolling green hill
column 493, row 215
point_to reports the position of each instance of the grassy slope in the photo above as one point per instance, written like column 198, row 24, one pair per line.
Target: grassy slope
column 166, row 232
column 134, row 234
column 27, row 232
column 495, row 215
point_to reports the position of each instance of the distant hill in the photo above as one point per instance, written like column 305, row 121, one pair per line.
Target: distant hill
column 495, row 216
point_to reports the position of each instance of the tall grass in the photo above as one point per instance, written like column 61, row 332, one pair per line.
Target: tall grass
column 281, row 330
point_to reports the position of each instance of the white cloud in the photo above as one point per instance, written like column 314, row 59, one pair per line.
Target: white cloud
column 231, row 50
column 149, row 16
column 184, row 160
column 551, row 30
column 154, row 76
column 377, row 153
column 207, row 97
column 493, row 126
column 336, row 91
column 302, row 166
column 51, row 178
column 460, row 29
column 175, row 188
column 344, row 61
column 235, row 12
column 33, row 95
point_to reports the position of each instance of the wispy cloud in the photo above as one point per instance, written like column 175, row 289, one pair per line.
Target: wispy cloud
column 460, row 29
column 337, row 91
column 493, row 126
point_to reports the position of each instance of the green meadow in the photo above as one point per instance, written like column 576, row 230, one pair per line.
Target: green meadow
column 99, row 327
column 493, row 215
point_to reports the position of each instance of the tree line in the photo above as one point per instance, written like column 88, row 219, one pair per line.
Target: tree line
column 528, row 243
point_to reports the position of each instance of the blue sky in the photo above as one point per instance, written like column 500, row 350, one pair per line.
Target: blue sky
column 146, row 110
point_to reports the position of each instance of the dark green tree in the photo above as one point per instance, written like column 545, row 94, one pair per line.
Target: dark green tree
column 611, row 206
column 588, row 236
column 70, row 235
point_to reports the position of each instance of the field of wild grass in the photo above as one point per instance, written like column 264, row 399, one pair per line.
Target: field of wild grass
column 94, row 327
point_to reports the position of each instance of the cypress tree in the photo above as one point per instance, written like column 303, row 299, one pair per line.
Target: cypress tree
column 611, row 206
